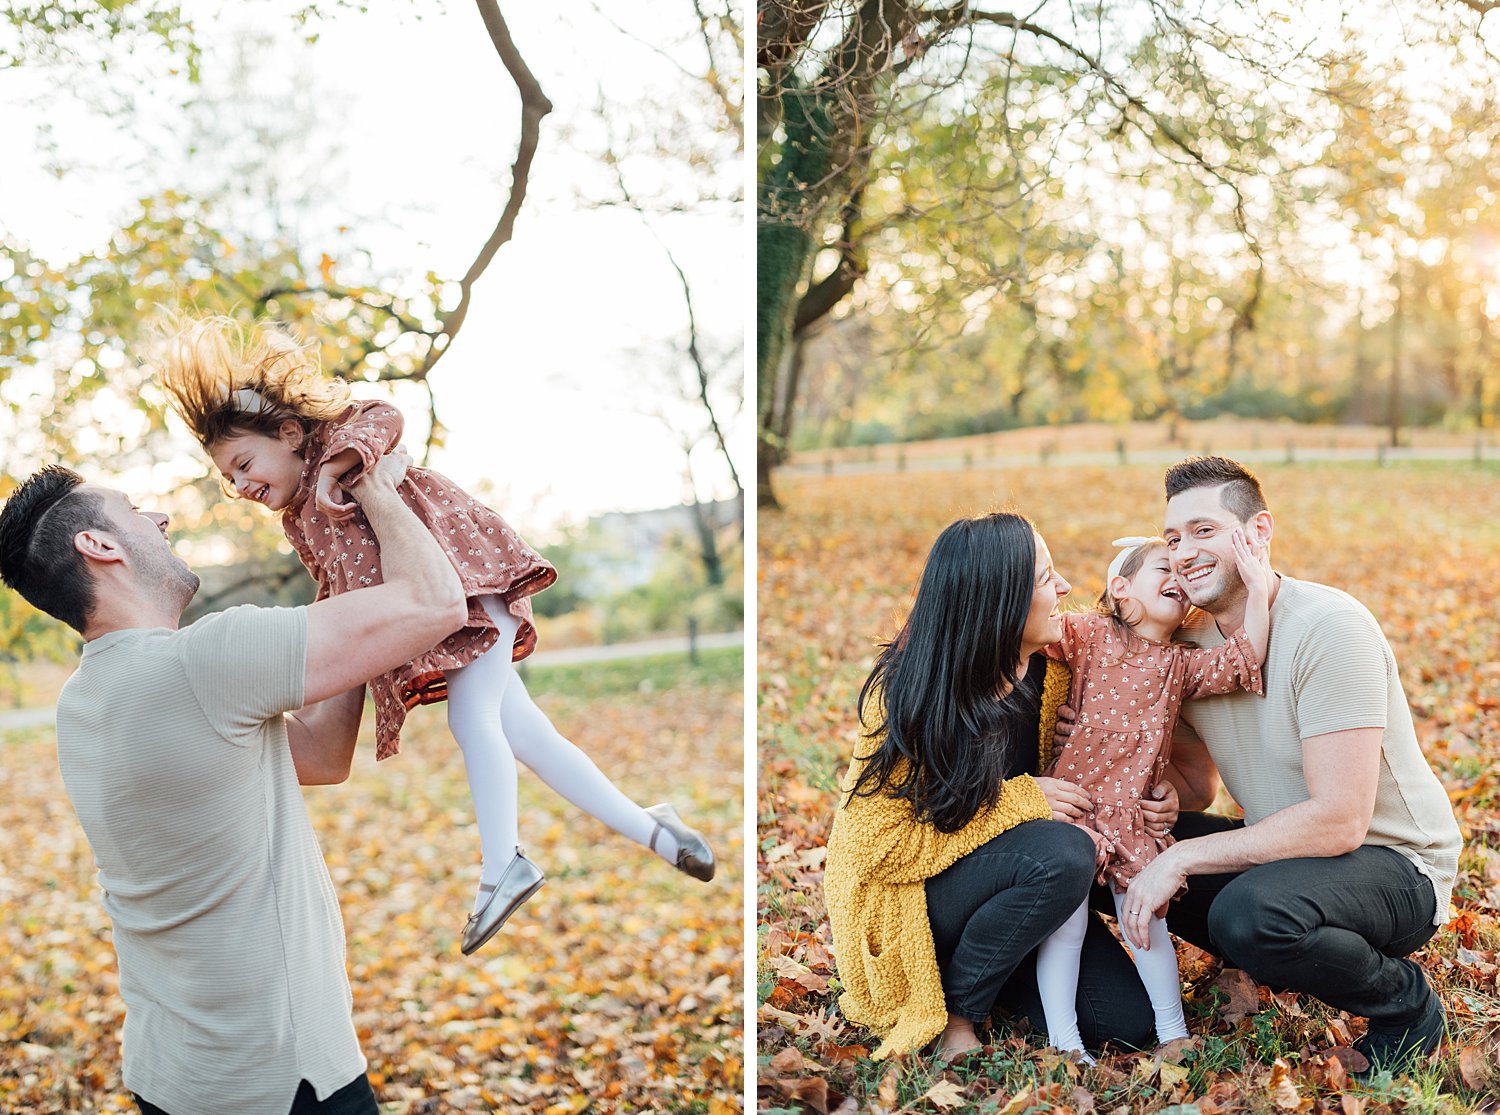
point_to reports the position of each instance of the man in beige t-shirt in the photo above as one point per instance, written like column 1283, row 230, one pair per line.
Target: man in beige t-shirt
column 1345, row 861
column 182, row 750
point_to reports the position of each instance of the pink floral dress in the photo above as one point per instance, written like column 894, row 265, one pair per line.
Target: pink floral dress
column 1128, row 692
column 490, row 557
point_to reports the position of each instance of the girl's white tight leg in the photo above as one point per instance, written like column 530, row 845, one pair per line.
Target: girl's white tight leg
column 1057, row 961
column 1157, row 967
column 508, row 719
column 475, row 695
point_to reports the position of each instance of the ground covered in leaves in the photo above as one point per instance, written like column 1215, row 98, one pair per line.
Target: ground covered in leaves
column 1418, row 544
column 617, row 988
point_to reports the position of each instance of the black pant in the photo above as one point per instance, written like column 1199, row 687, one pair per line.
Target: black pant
column 990, row 911
column 1336, row 928
column 354, row 1098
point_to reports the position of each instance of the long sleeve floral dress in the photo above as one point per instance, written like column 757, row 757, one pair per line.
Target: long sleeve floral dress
column 1128, row 692
column 490, row 557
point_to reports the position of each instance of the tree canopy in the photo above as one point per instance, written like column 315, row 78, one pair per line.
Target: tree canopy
column 972, row 219
column 248, row 227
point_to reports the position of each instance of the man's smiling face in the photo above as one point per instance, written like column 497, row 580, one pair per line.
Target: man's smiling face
column 143, row 535
column 1198, row 531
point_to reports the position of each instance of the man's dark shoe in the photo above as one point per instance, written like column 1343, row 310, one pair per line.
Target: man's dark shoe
column 1399, row 1048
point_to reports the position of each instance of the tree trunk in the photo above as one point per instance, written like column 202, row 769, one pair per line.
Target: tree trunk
column 796, row 361
column 708, row 542
column 796, row 190
column 1480, row 367
column 1243, row 325
column 1393, row 404
column 782, row 257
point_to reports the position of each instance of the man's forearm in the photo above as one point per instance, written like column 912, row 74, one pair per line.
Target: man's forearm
column 411, row 558
column 322, row 737
column 1309, row 829
column 1197, row 786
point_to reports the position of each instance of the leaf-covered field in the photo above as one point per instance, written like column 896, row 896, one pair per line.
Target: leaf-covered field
column 616, row 989
column 1418, row 544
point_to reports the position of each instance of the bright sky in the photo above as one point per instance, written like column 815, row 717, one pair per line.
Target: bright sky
column 551, row 389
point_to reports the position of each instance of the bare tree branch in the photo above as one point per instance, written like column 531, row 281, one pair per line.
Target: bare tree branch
column 723, row 91
column 387, row 304
column 534, row 106
column 783, row 27
column 824, row 295
column 694, row 353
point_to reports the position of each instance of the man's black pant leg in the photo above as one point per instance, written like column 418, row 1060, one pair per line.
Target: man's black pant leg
column 354, row 1098
column 1188, row 915
column 1336, row 928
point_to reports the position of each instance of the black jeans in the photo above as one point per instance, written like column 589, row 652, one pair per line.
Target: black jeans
column 1336, row 928
column 354, row 1098
column 991, row 909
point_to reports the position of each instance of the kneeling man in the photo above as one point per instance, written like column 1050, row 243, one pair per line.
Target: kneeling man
column 1345, row 861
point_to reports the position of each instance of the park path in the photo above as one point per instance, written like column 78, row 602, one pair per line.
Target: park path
column 812, row 463
column 17, row 719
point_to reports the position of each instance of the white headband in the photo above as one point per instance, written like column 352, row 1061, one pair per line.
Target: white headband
column 249, row 400
column 1130, row 545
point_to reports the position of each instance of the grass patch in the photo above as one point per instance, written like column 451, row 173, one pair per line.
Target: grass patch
column 659, row 672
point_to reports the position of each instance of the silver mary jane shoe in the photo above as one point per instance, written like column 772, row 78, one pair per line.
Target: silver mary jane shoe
column 694, row 856
column 520, row 880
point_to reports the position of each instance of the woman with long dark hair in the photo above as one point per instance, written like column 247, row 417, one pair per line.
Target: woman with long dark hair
column 949, row 861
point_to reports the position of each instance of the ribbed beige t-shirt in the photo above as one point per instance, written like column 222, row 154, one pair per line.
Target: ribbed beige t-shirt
column 174, row 752
column 1328, row 668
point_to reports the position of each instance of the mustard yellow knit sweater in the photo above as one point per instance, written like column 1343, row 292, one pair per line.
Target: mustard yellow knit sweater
column 874, row 886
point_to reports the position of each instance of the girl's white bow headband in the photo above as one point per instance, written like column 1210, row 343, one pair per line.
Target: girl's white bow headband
column 249, row 401
column 1130, row 545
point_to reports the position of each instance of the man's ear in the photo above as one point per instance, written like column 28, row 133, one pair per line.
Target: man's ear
column 1261, row 527
column 97, row 545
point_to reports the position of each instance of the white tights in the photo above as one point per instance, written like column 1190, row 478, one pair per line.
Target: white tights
column 1057, row 979
column 496, row 722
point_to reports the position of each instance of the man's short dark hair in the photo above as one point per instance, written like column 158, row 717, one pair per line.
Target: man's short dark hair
column 37, row 555
column 1241, row 496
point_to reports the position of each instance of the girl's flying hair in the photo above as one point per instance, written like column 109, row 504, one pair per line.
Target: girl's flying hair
column 224, row 378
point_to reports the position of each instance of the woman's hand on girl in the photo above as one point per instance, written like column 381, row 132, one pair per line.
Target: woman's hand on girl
column 1069, row 802
column 1159, row 808
column 1062, row 731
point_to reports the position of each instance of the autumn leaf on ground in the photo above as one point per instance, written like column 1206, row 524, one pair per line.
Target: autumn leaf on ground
column 1335, row 1077
column 1283, row 1089
column 1477, row 1065
column 789, row 1062
column 945, row 1094
column 1243, row 993
column 618, row 987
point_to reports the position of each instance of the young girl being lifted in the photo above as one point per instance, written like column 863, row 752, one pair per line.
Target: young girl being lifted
column 287, row 437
